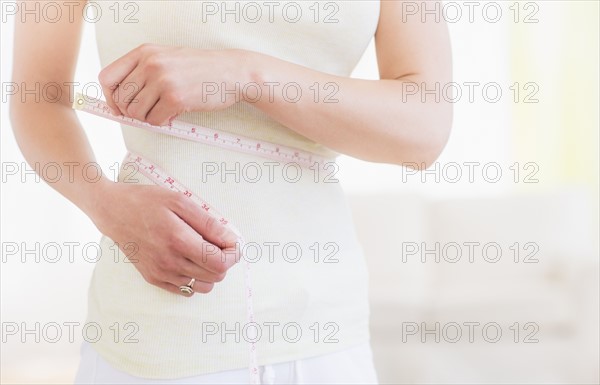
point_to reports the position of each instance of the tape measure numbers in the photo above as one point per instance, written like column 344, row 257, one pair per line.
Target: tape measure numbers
column 209, row 136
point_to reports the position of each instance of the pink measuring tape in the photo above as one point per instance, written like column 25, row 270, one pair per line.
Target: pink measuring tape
column 215, row 138
column 158, row 176
column 209, row 136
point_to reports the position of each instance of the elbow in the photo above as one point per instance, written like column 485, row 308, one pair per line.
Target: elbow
column 431, row 151
column 11, row 110
column 17, row 109
column 17, row 115
column 14, row 111
column 428, row 142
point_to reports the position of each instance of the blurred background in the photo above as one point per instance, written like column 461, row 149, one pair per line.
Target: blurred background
column 484, row 269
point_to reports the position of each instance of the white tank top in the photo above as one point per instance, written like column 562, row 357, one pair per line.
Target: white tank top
column 308, row 272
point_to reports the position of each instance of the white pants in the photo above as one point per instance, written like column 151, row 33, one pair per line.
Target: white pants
column 349, row 366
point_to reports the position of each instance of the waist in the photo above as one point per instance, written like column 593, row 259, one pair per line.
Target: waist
column 307, row 265
column 246, row 121
column 245, row 187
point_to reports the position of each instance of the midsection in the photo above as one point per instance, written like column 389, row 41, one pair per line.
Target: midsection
column 296, row 223
column 306, row 266
column 265, row 199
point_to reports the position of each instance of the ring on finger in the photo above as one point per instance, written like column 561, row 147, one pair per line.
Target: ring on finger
column 188, row 290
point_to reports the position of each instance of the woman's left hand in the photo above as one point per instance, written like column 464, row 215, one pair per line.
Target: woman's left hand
column 155, row 83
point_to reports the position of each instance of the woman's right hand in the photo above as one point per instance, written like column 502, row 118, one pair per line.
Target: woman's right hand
column 174, row 239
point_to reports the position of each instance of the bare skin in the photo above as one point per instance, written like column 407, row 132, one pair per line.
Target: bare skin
column 370, row 121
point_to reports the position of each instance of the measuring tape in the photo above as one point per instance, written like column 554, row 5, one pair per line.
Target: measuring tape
column 161, row 178
column 209, row 136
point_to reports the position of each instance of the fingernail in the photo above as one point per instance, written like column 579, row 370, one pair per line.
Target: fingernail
column 232, row 238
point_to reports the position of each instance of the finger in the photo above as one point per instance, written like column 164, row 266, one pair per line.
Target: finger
column 205, row 223
column 191, row 269
column 205, row 254
column 198, row 286
column 143, row 102
column 127, row 92
column 169, row 287
column 112, row 75
column 107, row 90
column 185, row 241
column 161, row 113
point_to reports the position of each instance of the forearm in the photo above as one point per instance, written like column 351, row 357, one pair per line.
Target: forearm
column 367, row 119
column 50, row 133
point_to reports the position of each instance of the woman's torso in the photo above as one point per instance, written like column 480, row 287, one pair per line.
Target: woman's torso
column 322, row 293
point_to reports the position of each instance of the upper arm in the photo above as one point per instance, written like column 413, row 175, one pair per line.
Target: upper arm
column 46, row 49
column 408, row 47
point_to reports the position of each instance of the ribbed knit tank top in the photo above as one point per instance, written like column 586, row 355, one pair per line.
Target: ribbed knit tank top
column 308, row 272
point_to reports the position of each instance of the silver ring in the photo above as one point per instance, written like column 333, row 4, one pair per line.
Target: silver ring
column 189, row 288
